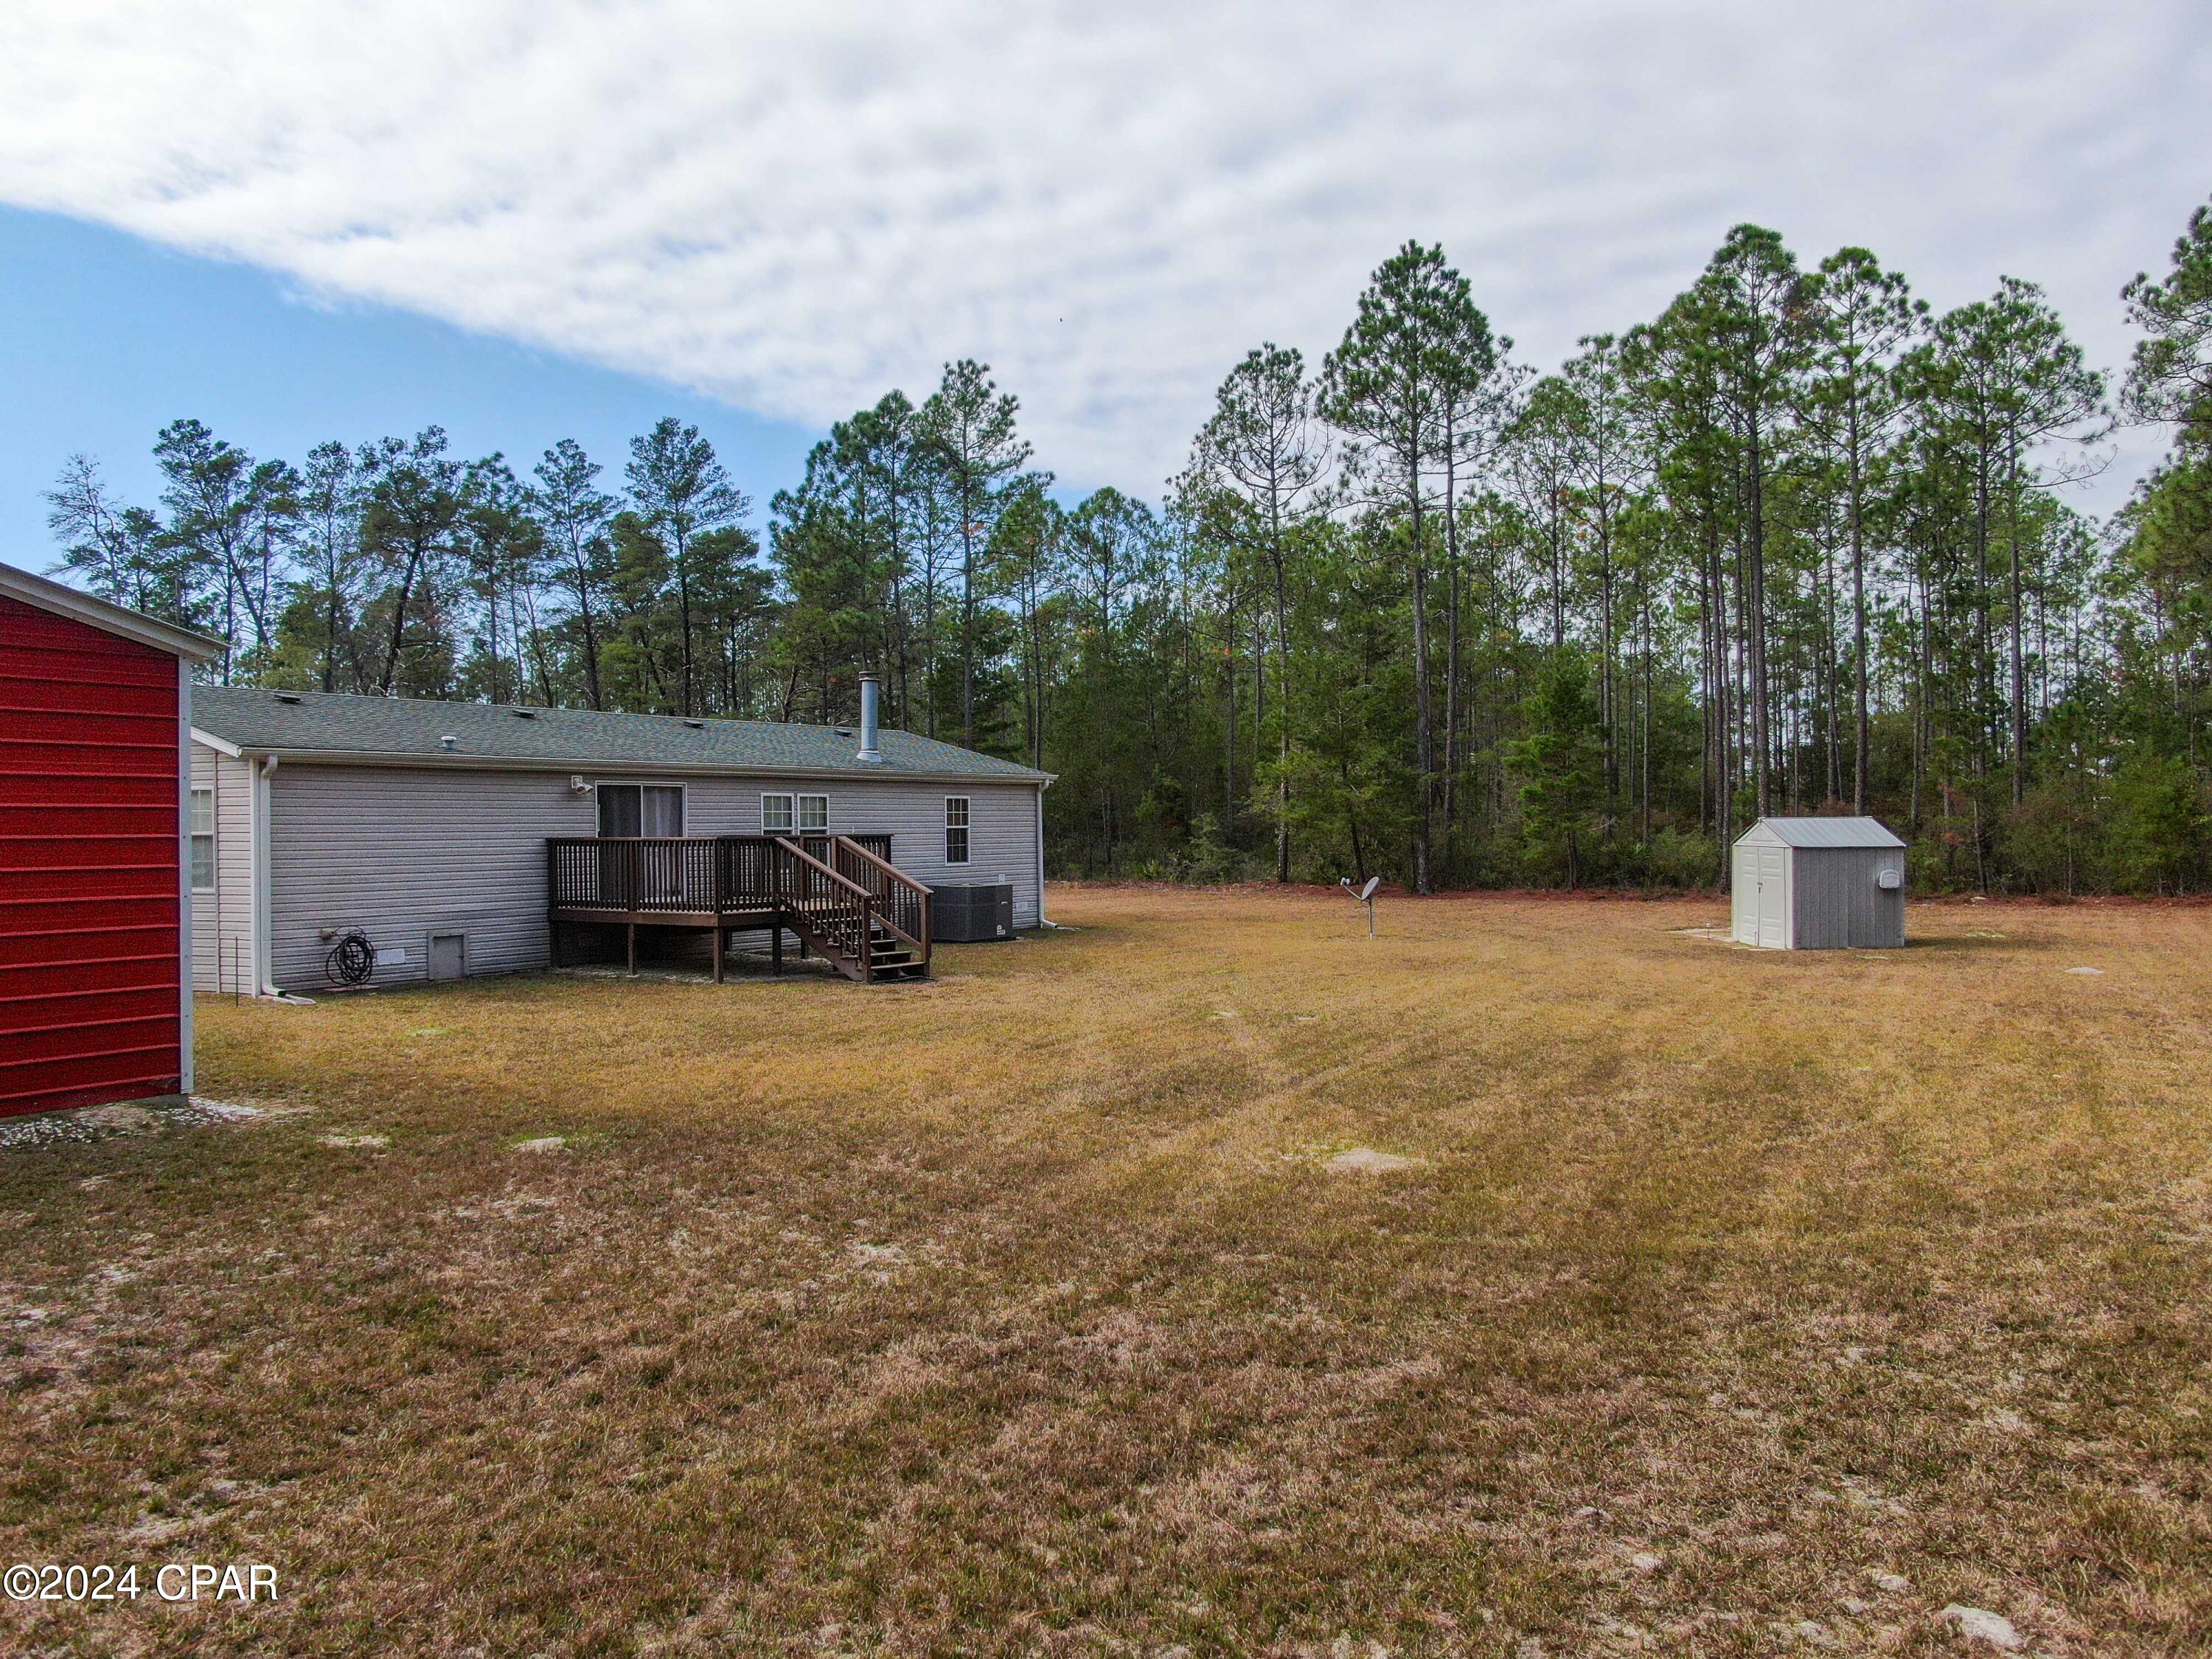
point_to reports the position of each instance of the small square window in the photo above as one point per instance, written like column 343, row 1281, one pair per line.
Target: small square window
column 202, row 842
column 814, row 815
column 955, row 828
column 775, row 814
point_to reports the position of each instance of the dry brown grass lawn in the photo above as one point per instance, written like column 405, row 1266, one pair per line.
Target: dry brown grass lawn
column 1021, row 1312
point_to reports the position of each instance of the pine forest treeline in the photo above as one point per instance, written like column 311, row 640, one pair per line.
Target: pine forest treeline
column 1797, row 544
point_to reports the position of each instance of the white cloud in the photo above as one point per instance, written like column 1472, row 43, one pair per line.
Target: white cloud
column 796, row 207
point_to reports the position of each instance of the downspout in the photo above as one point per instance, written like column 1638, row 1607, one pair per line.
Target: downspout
column 1043, row 921
column 264, row 966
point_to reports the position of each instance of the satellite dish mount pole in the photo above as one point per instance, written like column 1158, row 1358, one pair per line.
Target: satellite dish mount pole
column 1365, row 895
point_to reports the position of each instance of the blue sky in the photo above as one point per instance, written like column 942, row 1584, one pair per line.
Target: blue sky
column 527, row 219
column 105, row 338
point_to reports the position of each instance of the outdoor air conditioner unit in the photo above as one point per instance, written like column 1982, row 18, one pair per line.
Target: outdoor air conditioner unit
column 970, row 916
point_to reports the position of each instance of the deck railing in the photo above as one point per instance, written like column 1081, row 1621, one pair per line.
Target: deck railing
column 835, row 891
column 696, row 875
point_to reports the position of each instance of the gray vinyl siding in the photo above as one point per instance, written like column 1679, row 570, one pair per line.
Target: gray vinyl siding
column 406, row 852
column 1001, row 829
column 1839, row 901
column 222, row 920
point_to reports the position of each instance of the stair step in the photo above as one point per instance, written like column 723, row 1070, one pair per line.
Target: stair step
column 891, row 960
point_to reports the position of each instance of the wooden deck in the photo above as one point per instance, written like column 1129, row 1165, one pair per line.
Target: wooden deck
column 841, row 895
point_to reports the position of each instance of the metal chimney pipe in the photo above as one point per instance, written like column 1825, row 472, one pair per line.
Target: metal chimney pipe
column 871, row 720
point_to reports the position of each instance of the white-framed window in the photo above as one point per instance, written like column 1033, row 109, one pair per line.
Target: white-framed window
column 202, row 842
column 790, row 815
column 641, row 809
column 955, row 828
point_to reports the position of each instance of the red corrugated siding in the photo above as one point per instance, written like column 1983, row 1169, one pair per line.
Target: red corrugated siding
column 88, row 876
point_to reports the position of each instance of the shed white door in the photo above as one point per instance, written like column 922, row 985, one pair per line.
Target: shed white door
column 1773, row 918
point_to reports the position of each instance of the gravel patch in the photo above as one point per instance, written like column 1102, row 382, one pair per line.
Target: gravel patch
column 89, row 1124
column 1365, row 1160
column 1979, row 1625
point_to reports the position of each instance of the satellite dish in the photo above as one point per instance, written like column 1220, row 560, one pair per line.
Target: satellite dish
column 1363, row 895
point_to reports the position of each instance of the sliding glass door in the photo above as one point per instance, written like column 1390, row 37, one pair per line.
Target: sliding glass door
column 629, row 810
column 641, row 809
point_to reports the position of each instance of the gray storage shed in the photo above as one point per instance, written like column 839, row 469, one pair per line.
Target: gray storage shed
column 1819, row 885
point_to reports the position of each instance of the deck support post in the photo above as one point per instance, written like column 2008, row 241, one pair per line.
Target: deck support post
column 630, row 929
column 775, row 943
column 718, row 950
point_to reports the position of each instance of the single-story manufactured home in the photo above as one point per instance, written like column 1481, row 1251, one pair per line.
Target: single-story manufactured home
column 96, row 920
column 1817, row 884
column 474, row 838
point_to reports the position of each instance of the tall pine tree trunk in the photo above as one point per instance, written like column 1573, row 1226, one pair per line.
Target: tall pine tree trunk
column 2019, row 654
column 1755, row 604
column 1283, row 693
column 1860, row 725
column 1424, row 737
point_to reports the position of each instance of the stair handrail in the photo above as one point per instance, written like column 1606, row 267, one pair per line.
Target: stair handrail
column 854, row 901
column 805, row 857
column 894, row 873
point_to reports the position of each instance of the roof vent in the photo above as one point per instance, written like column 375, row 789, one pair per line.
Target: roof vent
column 871, row 722
column 287, row 697
column 524, row 714
column 447, row 741
column 696, row 725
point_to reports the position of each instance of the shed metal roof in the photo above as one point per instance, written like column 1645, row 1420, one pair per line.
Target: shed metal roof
column 98, row 613
column 1824, row 832
column 403, row 730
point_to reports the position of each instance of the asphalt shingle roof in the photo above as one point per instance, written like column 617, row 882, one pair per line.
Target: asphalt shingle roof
column 338, row 723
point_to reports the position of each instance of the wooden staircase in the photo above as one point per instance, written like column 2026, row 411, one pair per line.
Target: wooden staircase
column 889, row 958
column 867, row 918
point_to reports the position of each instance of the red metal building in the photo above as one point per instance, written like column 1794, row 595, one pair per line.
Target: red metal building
column 95, row 827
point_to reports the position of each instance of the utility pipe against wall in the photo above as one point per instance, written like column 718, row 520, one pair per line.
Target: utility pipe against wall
column 264, row 933
column 1043, row 921
column 871, row 720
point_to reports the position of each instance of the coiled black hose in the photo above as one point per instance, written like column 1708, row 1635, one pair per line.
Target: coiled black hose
column 352, row 959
